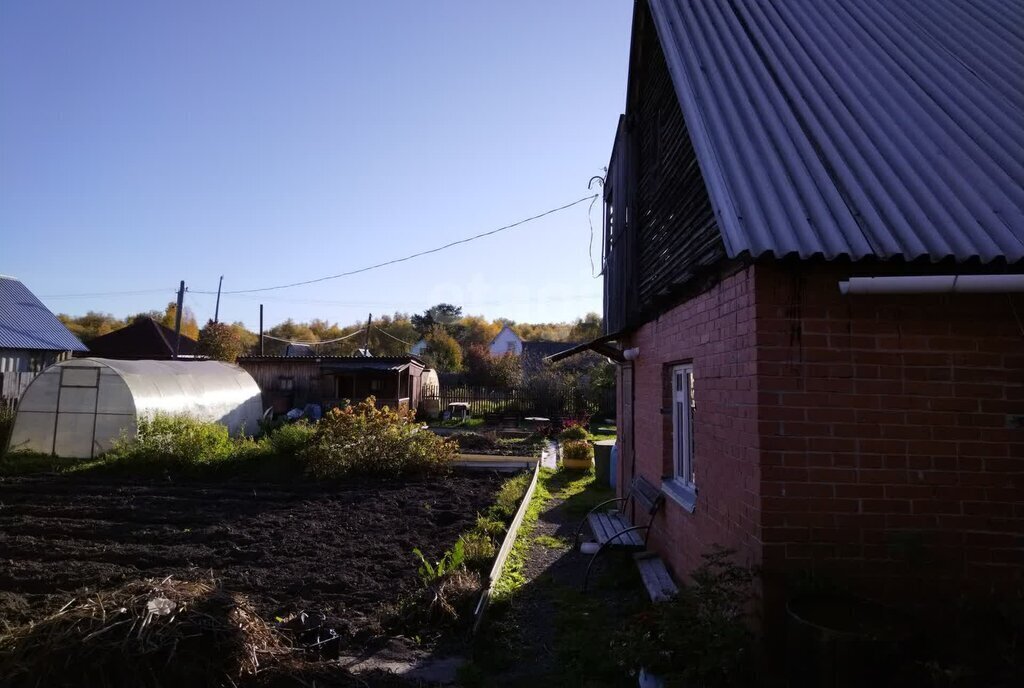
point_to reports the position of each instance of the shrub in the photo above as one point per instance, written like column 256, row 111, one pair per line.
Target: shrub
column 176, row 442
column 365, row 440
column 573, row 433
column 291, row 439
column 700, row 637
column 577, row 450
column 473, row 440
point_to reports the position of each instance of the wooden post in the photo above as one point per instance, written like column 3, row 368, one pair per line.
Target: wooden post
column 366, row 339
column 216, row 309
column 177, row 318
column 261, row 329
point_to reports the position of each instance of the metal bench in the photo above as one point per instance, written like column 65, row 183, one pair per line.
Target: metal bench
column 612, row 528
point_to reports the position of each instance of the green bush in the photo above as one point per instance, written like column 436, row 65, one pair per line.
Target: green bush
column 365, row 440
column 574, row 433
column 701, row 636
column 177, row 442
column 577, row 450
column 290, row 440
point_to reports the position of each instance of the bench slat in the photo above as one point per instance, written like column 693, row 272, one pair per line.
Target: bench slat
column 597, row 524
column 606, row 526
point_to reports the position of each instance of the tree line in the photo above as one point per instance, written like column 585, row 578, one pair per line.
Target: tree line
column 453, row 342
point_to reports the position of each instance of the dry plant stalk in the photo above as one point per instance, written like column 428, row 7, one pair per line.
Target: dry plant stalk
column 146, row 633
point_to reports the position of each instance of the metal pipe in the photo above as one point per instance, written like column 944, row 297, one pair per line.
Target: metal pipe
column 933, row 284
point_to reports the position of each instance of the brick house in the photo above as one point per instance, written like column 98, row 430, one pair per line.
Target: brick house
column 771, row 161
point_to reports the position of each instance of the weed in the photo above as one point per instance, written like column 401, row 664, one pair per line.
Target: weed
column 491, row 527
column 452, row 560
column 479, row 550
column 507, row 501
column 551, row 542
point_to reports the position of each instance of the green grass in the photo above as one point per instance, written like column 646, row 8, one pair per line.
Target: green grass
column 583, row 624
column 512, row 577
column 551, row 542
column 26, row 463
column 469, row 423
column 599, row 437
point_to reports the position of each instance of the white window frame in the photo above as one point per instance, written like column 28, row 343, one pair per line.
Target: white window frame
column 682, row 485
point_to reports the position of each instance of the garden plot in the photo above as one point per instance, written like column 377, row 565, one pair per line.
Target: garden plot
column 344, row 550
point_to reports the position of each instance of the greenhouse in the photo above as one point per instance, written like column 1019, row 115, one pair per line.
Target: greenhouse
column 78, row 408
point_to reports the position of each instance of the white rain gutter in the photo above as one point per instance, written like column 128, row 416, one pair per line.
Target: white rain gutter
column 933, row 284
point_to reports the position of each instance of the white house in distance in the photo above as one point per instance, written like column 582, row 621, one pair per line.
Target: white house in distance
column 506, row 342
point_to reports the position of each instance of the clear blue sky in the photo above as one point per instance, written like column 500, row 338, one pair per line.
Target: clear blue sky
column 142, row 143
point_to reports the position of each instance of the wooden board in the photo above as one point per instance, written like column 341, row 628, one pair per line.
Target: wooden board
column 656, row 578
column 503, row 552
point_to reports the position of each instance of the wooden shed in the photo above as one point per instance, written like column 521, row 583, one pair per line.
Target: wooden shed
column 294, row 381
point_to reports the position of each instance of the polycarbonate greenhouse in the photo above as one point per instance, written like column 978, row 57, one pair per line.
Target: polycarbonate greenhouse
column 78, row 408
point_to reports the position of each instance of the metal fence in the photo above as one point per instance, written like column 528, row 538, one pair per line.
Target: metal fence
column 551, row 402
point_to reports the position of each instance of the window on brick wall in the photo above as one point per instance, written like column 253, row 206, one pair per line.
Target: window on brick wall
column 682, row 485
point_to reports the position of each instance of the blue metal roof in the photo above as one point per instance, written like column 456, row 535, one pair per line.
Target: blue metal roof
column 888, row 128
column 25, row 323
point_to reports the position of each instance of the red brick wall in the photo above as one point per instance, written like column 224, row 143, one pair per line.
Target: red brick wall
column 889, row 456
column 715, row 331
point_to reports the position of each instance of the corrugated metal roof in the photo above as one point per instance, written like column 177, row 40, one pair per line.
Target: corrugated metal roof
column 25, row 323
column 855, row 127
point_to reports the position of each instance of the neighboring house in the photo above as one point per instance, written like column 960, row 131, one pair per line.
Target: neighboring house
column 814, row 249
column 144, row 339
column 293, row 381
column 505, row 342
column 31, row 338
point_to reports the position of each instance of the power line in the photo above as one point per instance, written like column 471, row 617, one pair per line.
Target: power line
column 411, row 256
column 410, row 344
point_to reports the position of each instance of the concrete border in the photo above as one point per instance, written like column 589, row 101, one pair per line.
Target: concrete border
column 506, row 548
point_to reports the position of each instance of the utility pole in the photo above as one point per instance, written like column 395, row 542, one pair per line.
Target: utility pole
column 216, row 309
column 261, row 329
column 366, row 340
column 177, row 317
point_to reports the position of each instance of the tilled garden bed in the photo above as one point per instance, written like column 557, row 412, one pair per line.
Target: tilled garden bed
column 344, row 550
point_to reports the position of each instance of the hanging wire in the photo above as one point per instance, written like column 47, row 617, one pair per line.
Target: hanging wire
column 410, row 256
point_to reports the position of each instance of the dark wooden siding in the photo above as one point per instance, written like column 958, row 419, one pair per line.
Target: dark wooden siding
column 662, row 215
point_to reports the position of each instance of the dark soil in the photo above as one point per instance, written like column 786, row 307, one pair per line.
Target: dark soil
column 343, row 550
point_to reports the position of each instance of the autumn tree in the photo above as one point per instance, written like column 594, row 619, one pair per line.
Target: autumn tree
column 91, row 325
column 220, row 342
column 587, row 328
column 475, row 329
column 443, row 314
column 443, row 352
column 500, row 372
column 189, row 326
